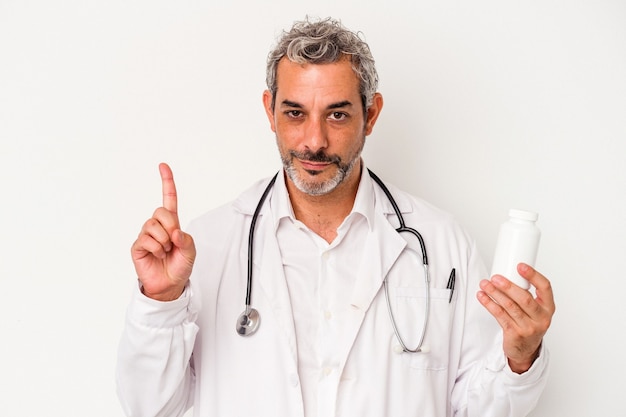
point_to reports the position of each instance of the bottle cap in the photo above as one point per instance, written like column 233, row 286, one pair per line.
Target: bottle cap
column 524, row 215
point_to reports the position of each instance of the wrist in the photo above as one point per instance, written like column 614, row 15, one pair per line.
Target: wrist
column 521, row 366
column 164, row 296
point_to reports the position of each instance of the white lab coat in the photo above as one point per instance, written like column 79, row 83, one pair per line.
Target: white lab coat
column 187, row 351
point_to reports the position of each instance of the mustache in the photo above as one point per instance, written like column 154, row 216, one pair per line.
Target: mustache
column 319, row 156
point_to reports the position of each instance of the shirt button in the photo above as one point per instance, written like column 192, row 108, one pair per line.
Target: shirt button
column 398, row 349
column 325, row 256
column 327, row 371
column 328, row 315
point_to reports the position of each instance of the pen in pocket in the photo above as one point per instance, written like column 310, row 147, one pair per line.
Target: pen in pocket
column 451, row 282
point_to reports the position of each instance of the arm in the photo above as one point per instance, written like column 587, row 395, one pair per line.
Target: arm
column 155, row 376
column 487, row 385
column 154, row 373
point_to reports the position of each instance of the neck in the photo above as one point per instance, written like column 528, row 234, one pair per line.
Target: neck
column 323, row 214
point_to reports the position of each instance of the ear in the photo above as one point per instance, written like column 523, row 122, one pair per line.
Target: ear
column 269, row 111
column 373, row 112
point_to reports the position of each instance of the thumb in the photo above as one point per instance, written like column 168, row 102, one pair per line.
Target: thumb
column 184, row 242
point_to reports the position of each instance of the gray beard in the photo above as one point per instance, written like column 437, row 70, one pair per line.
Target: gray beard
column 318, row 188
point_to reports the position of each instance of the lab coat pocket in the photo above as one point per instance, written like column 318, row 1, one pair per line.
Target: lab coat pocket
column 411, row 318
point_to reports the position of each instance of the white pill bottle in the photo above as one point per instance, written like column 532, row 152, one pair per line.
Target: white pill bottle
column 518, row 241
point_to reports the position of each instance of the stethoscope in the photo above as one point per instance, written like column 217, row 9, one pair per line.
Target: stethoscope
column 248, row 322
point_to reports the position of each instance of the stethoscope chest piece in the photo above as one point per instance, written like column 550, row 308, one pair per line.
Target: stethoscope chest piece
column 248, row 322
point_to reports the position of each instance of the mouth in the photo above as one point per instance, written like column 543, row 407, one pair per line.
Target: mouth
column 315, row 163
column 312, row 166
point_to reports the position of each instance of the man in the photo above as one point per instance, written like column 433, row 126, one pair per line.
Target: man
column 352, row 324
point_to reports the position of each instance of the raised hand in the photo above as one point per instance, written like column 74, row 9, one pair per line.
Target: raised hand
column 163, row 254
column 524, row 319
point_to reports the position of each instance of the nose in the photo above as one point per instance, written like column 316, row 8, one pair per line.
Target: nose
column 315, row 134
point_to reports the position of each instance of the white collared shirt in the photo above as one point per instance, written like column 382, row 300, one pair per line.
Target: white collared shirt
column 320, row 277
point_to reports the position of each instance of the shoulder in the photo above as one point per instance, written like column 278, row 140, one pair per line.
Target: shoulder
column 419, row 213
column 408, row 204
column 225, row 216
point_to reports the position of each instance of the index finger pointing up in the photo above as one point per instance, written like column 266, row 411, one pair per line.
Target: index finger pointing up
column 170, row 199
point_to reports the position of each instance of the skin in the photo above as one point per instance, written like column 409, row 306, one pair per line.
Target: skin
column 318, row 109
column 163, row 254
column 524, row 319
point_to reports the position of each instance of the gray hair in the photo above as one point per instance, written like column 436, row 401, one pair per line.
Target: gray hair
column 324, row 42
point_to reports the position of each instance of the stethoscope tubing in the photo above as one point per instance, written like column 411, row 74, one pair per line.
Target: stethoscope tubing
column 248, row 321
column 255, row 216
column 403, row 227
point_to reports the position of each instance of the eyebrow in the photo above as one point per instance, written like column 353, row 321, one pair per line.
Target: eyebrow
column 338, row 105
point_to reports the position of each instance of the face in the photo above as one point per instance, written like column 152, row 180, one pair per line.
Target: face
column 319, row 123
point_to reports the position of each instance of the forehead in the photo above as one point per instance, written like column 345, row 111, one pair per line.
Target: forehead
column 334, row 79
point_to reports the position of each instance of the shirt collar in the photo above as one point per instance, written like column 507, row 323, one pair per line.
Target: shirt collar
column 365, row 198
column 279, row 201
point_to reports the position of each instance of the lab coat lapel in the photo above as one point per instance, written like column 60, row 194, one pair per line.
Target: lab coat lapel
column 273, row 283
column 383, row 246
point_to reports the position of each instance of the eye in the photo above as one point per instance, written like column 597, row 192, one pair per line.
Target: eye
column 337, row 115
column 294, row 114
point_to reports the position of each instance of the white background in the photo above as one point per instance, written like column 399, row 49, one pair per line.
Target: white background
column 489, row 105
